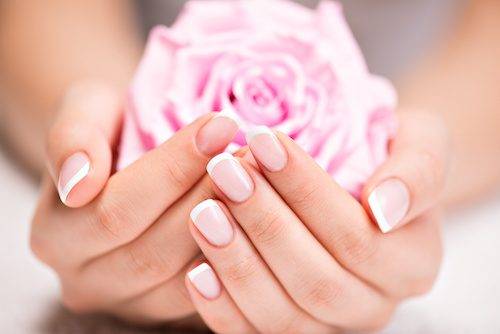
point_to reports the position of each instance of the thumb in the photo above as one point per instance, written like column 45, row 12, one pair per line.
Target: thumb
column 79, row 144
column 411, row 180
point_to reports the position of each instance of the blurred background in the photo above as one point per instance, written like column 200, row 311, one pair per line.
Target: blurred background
column 408, row 41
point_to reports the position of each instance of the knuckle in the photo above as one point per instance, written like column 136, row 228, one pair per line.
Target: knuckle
column 241, row 271
column 176, row 174
column 322, row 294
column 306, row 193
column 111, row 220
column 356, row 245
column 146, row 261
column 269, row 228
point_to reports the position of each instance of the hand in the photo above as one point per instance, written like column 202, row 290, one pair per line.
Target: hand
column 289, row 250
column 123, row 246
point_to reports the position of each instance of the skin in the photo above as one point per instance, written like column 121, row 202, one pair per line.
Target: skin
column 459, row 81
column 127, row 256
column 123, row 253
column 345, row 275
column 35, row 75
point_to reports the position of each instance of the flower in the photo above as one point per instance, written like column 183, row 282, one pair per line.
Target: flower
column 267, row 62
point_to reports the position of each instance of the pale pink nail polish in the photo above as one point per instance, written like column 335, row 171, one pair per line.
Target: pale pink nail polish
column 214, row 136
column 211, row 221
column 205, row 281
column 266, row 148
column 231, row 178
column 73, row 170
column 389, row 203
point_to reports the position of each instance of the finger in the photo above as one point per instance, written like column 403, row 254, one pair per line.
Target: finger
column 315, row 281
column 213, row 303
column 413, row 177
column 156, row 256
column 134, row 198
column 124, row 279
column 80, row 142
column 246, row 277
column 167, row 302
column 400, row 264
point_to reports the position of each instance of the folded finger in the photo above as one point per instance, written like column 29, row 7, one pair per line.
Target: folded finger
column 134, row 198
column 166, row 302
column 413, row 177
column 79, row 143
column 156, row 256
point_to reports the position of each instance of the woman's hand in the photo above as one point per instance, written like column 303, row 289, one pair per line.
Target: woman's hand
column 123, row 246
column 289, row 250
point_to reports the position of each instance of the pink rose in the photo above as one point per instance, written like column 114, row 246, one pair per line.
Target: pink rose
column 268, row 62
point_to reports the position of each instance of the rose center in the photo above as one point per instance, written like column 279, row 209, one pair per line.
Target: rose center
column 261, row 93
column 258, row 97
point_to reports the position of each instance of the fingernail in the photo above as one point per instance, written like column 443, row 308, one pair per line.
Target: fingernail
column 217, row 133
column 231, row 178
column 211, row 221
column 266, row 148
column 389, row 203
column 205, row 281
column 73, row 170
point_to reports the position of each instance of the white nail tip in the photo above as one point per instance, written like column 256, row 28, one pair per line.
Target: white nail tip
column 258, row 130
column 82, row 172
column 196, row 271
column 217, row 159
column 209, row 203
column 377, row 212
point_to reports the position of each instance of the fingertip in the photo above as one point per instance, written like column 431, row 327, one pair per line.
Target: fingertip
column 216, row 133
column 73, row 171
column 82, row 176
column 389, row 203
column 79, row 153
column 80, row 162
column 204, row 280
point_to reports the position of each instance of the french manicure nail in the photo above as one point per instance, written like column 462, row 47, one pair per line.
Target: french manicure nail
column 205, row 281
column 211, row 221
column 231, row 178
column 217, row 133
column 266, row 148
column 73, row 170
column 389, row 203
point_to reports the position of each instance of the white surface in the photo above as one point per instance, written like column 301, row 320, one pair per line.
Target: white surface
column 82, row 172
column 208, row 203
column 466, row 298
